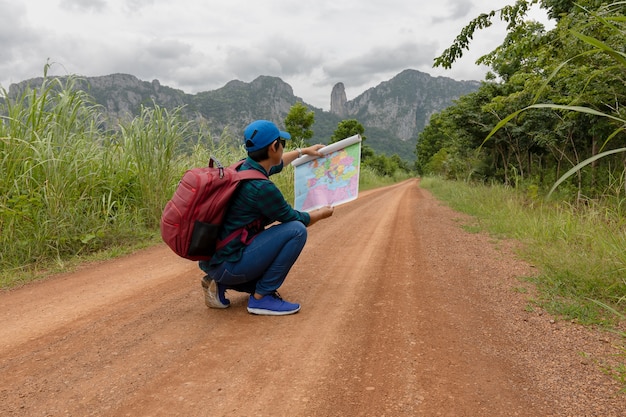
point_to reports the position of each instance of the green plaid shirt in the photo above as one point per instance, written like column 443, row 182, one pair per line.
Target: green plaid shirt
column 255, row 204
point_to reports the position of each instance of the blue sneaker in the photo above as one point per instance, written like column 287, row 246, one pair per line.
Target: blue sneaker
column 271, row 305
column 214, row 293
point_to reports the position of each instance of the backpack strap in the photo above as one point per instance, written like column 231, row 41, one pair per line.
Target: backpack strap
column 242, row 233
column 248, row 174
column 251, row 174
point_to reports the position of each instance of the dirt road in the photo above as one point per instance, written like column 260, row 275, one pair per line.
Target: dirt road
column 403, row 314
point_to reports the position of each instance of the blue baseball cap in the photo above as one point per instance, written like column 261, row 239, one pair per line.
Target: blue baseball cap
column 261, row 133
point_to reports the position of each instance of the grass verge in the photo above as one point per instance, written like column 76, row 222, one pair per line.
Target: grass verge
column 579, row 251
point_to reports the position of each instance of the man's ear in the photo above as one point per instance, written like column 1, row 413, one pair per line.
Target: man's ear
column 271, row 150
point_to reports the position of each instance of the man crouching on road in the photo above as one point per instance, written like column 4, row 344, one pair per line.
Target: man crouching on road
column 260, row 260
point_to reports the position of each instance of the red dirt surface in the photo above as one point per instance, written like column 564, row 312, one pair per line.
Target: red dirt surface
column 403, row 314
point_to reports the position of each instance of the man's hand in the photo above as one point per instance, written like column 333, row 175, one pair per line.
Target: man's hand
column 321, row 213
column 313, row 150
column 289, row 157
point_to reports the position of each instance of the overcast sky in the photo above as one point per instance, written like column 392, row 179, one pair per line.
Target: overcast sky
column 200, row 45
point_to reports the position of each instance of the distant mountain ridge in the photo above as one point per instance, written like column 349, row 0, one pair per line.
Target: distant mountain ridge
column 402, row 105
column 393, row 113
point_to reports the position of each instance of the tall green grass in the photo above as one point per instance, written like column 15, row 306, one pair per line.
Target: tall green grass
column 370, row 178
column 579, row 250
column 151, row 158
column 69, row 187
column 49, row 178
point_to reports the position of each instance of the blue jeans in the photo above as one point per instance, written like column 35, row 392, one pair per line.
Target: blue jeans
column 266, row 261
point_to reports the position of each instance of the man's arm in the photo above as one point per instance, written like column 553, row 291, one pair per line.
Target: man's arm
column 289, row 157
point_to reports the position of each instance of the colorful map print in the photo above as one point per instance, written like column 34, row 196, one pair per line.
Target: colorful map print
column 330, row 180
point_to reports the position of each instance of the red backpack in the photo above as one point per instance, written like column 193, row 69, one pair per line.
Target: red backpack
column 191, row 220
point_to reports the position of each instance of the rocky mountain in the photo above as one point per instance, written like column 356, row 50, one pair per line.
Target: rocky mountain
column 403, row 105
column 393, row 113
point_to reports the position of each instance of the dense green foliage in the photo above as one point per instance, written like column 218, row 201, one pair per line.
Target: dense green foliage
column 298, row 123
column 346, row 129
column 556, row 104
column 383, row 165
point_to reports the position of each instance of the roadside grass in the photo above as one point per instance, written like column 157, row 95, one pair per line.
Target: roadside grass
column 579, row 250
column 71, row 191
column 17, row 276
column 370, row 179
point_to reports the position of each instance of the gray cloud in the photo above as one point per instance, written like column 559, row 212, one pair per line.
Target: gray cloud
column 166, row 50
column 20, row 44
column 84, row 5
column 137, row 5
column 277, row 56
column 459, row 9
column 9, row 26
column 381, row 60
column 196, row 46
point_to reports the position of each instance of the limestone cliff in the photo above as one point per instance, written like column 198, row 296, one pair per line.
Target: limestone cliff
column 338, row 100
column 402, row 105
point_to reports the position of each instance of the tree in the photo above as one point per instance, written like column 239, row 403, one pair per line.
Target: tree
column 347, row 128
column 514, row 15
column 382, row 164
column 298, row 123
column 576, row 71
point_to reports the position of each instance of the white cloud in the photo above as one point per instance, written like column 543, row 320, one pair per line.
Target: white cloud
column 84, row 5
column 200, row 45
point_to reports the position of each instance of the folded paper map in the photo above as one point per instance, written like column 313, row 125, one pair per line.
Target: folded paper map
column 329, row 180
